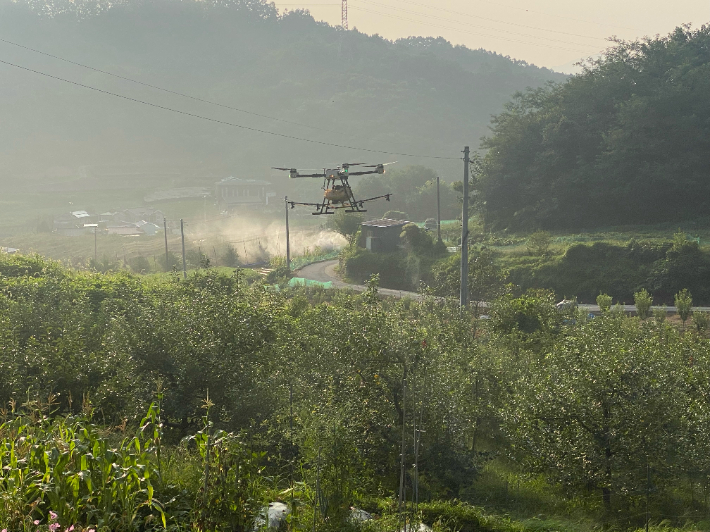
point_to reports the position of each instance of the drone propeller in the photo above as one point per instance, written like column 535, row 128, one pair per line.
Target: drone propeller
column 298, row 170
column 377, row 165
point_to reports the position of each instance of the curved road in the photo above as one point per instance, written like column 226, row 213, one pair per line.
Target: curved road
column 325, row 272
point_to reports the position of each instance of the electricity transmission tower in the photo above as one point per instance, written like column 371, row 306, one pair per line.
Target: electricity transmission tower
column 345, row 15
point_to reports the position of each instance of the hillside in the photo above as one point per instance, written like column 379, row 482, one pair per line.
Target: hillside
column 626, row 142
column 416, row 96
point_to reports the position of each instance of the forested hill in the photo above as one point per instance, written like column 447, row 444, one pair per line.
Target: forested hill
column 416, row 95
column 626, row 142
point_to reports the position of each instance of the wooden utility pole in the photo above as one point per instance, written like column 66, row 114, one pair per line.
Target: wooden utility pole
column 402, row 476
column 165, row 232
column 95, row 248
column 438, row 211
column 648, row 492
column 184, row 264
column 291, row 452
column 288, row 240
column 464, row 232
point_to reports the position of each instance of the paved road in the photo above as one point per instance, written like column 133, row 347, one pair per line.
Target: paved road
column 325, row 272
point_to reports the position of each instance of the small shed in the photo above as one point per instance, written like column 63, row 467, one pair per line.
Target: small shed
column 382, row 236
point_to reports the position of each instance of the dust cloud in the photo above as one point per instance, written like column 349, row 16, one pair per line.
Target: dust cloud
column 258, row 239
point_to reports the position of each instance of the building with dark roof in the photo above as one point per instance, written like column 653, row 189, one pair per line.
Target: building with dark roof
column 382, row 236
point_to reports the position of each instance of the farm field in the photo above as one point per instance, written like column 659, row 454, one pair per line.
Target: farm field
column 218, row 397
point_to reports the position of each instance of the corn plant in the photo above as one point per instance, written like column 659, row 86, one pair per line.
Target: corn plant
column 69, row 468
column 232, row 490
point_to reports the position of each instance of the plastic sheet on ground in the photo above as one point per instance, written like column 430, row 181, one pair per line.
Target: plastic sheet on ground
column 300, row 281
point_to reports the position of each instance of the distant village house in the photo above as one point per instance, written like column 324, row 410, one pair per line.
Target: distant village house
column 234, row 193
column 137, row 221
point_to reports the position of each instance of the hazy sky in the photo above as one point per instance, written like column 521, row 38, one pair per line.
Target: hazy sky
column 551, row 33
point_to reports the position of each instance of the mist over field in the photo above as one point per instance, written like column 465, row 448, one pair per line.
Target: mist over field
column 515, row 341
column 315, row 81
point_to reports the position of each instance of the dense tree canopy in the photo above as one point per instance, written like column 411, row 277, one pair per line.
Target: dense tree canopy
column 625, row 142
column 329, row 380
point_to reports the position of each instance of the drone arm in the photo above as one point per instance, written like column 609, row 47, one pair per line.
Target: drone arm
column 367, row 172
column 294, row 203
column 386, row 196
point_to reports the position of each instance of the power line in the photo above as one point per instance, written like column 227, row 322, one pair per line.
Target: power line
column 467, row 32
column 217, row 121
column 429, row 24
column 496, row 20
column 418, row 13
column 195, row 98
column 498, row 4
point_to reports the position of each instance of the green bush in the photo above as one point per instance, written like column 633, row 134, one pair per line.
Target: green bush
column 604, row 302
column 539, row 243
column 586, row 270
column 701, row 320
column 643, row 302
column 359, row 265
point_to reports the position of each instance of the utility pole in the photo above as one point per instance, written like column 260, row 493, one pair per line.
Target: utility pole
column 288, row 241
column 316, row 498
column 165, row 232
column 648, row 492
column 464, row 231
column 184, row 264
column 438, row 211
column 291, row 452
column 402, row 478
column 95, row 254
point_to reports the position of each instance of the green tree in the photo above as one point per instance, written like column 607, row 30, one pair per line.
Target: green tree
column 684, row 304
column 539, row 243
column 604, row 302
column 346, row 224
column 616, row 413
column 230, row 257
column 486, row 279
column 643, row 302
column 660, row 314
column 619, row 141
column 139, row 264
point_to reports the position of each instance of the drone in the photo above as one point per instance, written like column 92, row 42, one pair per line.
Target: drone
column 337, row 192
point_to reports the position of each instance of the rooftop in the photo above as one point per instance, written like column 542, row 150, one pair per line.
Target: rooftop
column 241, row 181
column 385, row 222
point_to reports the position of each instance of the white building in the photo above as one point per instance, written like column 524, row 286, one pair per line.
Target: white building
column 235, row 193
